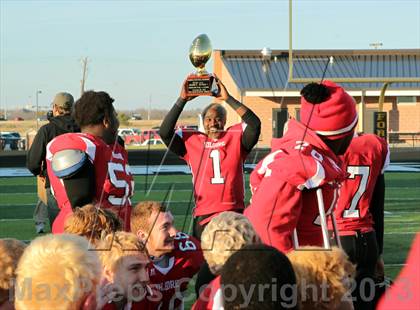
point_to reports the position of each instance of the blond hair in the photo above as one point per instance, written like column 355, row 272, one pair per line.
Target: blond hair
column 56, row 272
column 10, row 252
column 225, row 234
column 117, row 245
column 316, row 268
column 141, row 215
column 92, row 222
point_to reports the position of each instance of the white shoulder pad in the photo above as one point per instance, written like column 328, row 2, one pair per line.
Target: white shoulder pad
column 65, row 163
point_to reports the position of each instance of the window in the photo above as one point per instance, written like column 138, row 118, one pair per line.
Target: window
column 406, row 99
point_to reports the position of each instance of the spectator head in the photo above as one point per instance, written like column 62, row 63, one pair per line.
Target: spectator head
column 330, row 111
column 124, row 260
column 10, row 252
column 323, row 276
column 62, row 104
column 56, row 272
column 95, row 114
column 92, row 222
column 214, row 120
column 258, row 277
column 224, row 234
column 154, row 225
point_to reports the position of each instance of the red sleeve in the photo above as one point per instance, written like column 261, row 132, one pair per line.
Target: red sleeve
column 274, row 212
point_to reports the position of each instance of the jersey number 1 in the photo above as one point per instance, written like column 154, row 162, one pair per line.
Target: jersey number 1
column 217, row 175
column 363, row 171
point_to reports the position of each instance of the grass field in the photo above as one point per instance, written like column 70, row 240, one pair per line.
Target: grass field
column 402, row 205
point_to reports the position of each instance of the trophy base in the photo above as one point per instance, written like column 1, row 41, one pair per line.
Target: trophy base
column 200, row 85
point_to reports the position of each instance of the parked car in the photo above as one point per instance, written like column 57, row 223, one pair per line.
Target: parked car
column 136, row 117
column 130, row 135
column 150, row 134
column 188, row 127
column 152, row 142
column 9, row 140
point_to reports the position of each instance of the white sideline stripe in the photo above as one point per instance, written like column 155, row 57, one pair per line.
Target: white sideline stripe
column 395, row 265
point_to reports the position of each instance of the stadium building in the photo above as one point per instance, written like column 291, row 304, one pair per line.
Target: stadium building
column 260, row 80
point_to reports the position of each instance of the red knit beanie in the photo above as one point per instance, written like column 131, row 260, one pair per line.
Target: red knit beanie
column 334, row 111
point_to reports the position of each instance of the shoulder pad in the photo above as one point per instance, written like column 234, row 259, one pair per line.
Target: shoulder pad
column 65, row 163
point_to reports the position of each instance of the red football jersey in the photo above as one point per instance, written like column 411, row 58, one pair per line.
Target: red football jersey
column 114, row 183
column 211, row 298
column 285, row 191
column 184, row 262
column 366, row 158
column 217, row 169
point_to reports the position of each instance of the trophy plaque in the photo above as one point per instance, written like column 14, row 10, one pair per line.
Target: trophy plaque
column 200, row 83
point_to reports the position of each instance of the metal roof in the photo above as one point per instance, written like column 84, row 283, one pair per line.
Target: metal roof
column 251, row 71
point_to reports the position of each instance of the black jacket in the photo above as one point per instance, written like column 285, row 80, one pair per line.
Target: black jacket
column 35, row 158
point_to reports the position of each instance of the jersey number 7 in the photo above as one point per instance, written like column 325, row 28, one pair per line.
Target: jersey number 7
column 363, row 171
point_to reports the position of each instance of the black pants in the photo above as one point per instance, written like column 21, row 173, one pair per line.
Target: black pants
column 362, row 250
column 197, row 228
column 53, row 209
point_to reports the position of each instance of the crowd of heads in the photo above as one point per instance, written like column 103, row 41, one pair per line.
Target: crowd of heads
column 94, row 261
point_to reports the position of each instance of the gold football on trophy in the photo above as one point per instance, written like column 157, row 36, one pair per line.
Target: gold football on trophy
column 200, row 52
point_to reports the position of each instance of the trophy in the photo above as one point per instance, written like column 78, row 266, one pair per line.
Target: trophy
column 200, row 83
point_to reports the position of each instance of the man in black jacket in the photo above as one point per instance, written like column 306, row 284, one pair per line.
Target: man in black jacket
column 61, row 122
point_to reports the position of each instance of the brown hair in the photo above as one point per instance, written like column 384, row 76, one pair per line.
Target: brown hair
column 141, row 215
column 10, row 252
column 315, row 267
column 92, row 222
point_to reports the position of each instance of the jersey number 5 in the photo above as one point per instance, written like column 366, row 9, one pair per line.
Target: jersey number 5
column 217, row 174
column 118, row 183
column 363, row 171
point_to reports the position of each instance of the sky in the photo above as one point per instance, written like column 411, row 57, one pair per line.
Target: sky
column 138, row 50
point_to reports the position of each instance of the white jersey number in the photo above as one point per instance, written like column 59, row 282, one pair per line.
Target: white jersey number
column 187, row 245
column 121, row 184
column 217, row 175
column 363, row 171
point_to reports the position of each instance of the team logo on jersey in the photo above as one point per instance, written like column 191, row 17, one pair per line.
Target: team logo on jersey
column 211, row 145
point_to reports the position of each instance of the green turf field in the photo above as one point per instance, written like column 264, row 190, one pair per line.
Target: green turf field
column 402, row 204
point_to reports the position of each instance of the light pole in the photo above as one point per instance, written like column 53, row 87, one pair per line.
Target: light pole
column 36, row 116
